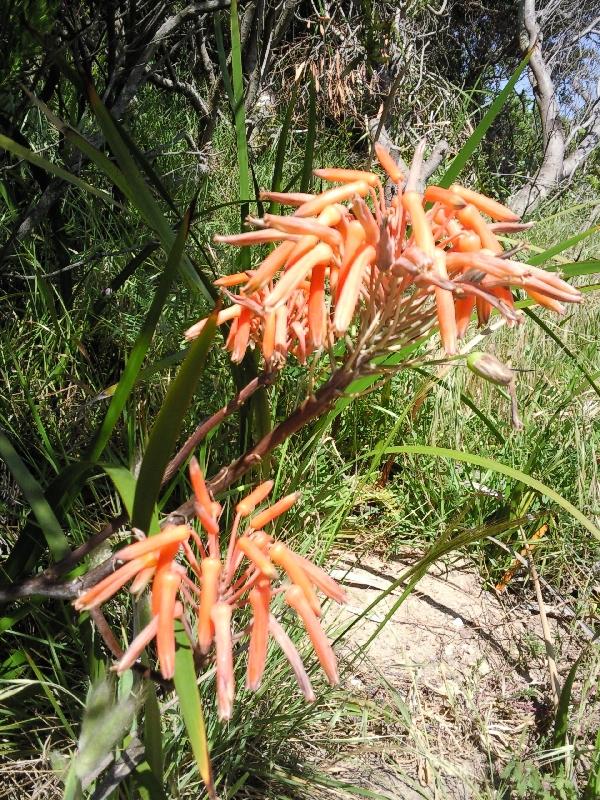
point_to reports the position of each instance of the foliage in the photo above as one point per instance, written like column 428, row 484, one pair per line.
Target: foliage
column 90, row 348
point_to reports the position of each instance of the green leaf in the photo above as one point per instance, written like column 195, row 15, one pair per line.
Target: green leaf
column 147, row 785
column 141, row 195
column 47, row 689
column 565, row 348
column 33, row 158
column 546, row 255
column 105, row 724
column 165, row 431
column 575, row 268
column 70, row 478
column 311, row 137
column 191, row 706
column 49, row 525
column 125, row 484
column 222, row 55
column 472, row 143
column 592, row 788
column 561, row 721
column 502, row 469
column 239, row 116
column 281, row 151
column 153, row 733
column 96, row 156
column 122, row 276
column 145, row 165
column 142, row 343
column 73, row 790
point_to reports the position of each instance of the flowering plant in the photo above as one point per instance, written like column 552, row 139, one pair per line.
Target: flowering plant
column 358, row 272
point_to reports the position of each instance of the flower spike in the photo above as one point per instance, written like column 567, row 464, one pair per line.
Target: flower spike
column 189, row 578
column 310, row 288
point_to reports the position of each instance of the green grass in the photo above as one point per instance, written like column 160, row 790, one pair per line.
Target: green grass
column 57, row 358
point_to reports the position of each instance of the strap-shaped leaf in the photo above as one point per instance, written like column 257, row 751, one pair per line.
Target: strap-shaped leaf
column 281, row 150
column 49, row 525
column 592, row 787
column 561, row 721
column 311, row 137
column 139, row 190
column 472, row 143
column 191, row 706
column 574, row 269
column 58, row 172
column 69, row 479
column 559, row 247
column 142, row 343
column 502, row 469
column 125, row 483
column 167, row 427
column 565, row 348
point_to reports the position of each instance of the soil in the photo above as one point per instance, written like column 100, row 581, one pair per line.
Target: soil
column 454, row 686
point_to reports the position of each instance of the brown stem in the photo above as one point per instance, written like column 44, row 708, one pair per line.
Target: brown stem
column 312, row 407
column 105, row 632
column 44, row 584
column 261, row 381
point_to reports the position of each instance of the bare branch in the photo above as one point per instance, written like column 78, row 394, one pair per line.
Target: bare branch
column 550, row 171
column 181, row 87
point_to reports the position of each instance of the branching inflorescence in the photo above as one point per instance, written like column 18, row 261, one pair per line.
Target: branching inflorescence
column 355, row 265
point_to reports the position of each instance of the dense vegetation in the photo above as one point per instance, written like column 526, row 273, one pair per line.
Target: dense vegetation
column 198, row 108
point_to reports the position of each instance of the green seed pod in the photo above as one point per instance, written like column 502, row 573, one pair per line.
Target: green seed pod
column 488, row 367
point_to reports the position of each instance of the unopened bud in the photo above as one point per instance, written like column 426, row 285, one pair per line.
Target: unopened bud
column 490, row 368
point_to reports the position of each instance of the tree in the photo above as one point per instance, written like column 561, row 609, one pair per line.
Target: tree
column 564, row 39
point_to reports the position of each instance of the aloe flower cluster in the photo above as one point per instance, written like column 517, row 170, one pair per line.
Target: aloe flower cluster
column 350, row 247
column 194, row 578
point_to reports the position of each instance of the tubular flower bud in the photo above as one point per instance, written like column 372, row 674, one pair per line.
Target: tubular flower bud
column 295, row 598
column 492, row 208
column 314, row 207
column 188, row 576
column 166, row 586
column 198, row 485
column 388, row 163
column 346, row 176
column 221, row 618
column 209, row 591
column 319, row 279
column 285, row 559
column 254, row 553
column 276, row 510
column 255, row 498
column 260, row 600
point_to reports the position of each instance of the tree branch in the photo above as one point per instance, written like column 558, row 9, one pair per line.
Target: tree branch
column 551, row 169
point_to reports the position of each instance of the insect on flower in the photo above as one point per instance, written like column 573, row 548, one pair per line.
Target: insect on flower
column 349, row 248
column 206, row 583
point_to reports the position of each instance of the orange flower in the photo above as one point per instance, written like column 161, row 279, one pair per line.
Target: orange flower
column 296, row 598
column 260, row 600
column 190, row 576
column 348, row 248
column 155, row 553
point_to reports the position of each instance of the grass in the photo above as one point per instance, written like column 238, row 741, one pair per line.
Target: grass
column 57, row 358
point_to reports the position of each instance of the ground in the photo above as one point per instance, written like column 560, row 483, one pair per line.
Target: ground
column 457, row 681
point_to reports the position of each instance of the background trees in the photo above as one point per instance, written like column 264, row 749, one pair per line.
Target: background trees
column 80, row 265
